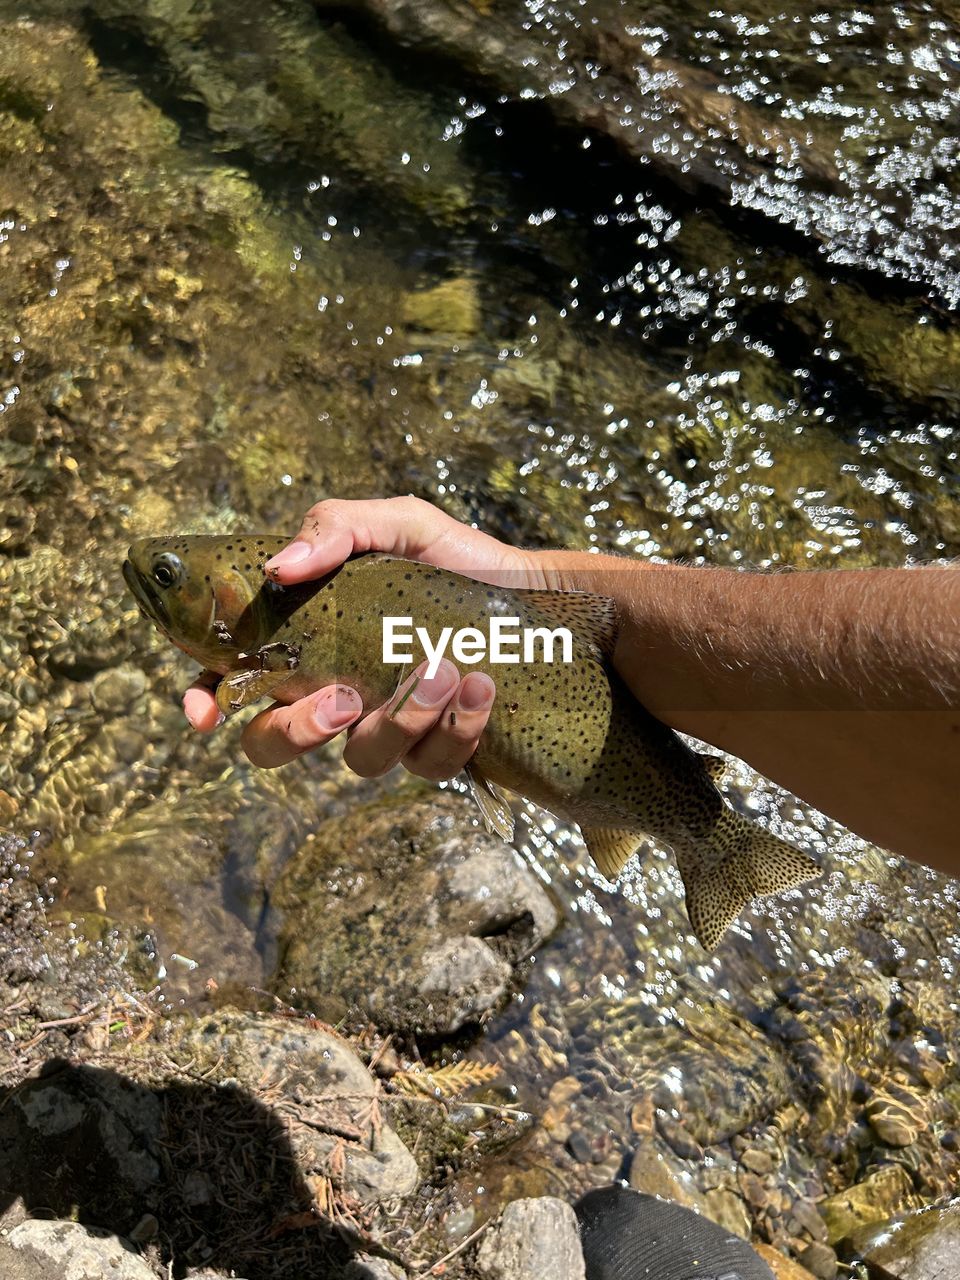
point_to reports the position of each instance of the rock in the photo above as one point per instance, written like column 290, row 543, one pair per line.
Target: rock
column 650, row 1173
column 82, row 1135
column 69, row 1251
column 896, row 1116
column 868, row 1201
column 757, row 1161
column 533, row 1239
column 365, row 1267
column 783, row 1268
column 920, row 1246
column 804, row 1217
column 449, row 307
column 328, row 1096
column 411, row 913
column 197, row 1189
column 820, row 1260
column 724, row 1207
column 20, row 1266
column 115, row 691
column 678, row 1137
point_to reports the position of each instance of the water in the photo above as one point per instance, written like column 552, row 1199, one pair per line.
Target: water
column 252, row 256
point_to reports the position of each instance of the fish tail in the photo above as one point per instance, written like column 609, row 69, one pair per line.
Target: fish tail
column 735, row 863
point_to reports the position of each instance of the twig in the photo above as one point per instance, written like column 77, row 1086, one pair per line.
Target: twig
column 432, row 1269
column 83, row 1016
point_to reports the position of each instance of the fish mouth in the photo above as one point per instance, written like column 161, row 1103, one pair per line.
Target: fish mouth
column 148, row 600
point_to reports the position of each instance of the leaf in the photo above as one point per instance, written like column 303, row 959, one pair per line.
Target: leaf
column 445, row 1082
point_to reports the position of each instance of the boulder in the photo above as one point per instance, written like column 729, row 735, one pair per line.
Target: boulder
column 53, row 1250
column 410, row 913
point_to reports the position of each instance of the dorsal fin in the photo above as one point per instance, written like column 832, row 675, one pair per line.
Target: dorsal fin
column 493, row 804
column 610, row 849
column 593, row 619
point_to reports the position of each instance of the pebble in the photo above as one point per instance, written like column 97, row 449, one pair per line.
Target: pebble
column 820, row 1260
column 757, row 1161
column 534, row 1239
column 804, row 1217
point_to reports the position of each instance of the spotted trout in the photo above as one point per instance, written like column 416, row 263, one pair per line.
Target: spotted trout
column 568, row 735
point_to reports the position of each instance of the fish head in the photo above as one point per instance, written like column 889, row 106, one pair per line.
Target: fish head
column 207, row 599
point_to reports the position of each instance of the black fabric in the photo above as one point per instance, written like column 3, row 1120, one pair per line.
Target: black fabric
column 630, row 1236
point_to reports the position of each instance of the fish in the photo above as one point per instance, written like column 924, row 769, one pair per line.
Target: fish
column 567, row 735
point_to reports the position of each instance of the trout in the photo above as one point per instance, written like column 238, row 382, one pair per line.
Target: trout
column 567, row 735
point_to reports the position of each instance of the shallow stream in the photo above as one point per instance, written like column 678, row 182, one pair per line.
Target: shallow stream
column 681, row 284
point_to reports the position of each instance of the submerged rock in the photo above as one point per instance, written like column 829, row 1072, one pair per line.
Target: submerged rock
column 54, row 1250
column 871, row 1200
column 920, row 1246
column 783, row 1268
column 410, row 914
column 534, row 1238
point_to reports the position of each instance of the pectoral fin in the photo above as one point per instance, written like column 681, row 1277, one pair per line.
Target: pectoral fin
column 593, row 619
column 241, row 688
column 610, row 850
column 493, row 804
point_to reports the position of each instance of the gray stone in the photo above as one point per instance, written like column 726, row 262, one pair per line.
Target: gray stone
column 69, row 1251
column 328, row 1096
column 463, row 971
column 21, row 1266
column 365, row 1267
column 533, row 1239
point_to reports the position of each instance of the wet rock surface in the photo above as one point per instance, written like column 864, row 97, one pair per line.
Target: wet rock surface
column 533, row 1238
column 917, row 1246
column 433, row 912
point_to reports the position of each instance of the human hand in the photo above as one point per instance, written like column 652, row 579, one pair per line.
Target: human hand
column 418, row 730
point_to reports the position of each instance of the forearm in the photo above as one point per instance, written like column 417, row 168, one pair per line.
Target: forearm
column 840, row 685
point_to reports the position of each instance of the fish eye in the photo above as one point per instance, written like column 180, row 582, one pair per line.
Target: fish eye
column 167, row 570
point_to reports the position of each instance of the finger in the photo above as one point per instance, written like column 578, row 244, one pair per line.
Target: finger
column 387, row 734
column 334, row 530
column 200, row 703
column 282, row 733
column 447, row 747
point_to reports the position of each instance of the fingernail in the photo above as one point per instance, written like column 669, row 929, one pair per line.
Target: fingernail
column 221, row 719
column 476, row 691
column 429, row 692
column 336, row 708
column 296, row 553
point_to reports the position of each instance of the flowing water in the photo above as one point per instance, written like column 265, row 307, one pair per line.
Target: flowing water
column 680, row 284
